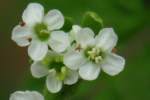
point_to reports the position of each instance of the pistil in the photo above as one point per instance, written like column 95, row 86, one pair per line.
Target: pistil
column 41, row 31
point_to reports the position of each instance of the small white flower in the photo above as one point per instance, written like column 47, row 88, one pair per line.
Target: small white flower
column 26, row 95
column 57, row 73
column 43, row 30
column 94, row 53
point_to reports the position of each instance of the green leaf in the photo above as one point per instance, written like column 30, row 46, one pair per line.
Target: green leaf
column 92, row 20
column 68, row 24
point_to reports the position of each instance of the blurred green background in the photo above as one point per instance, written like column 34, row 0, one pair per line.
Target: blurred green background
column 129, row 18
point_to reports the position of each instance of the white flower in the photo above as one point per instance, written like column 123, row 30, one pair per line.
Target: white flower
column 93, row 53
column 43, row 30
column 57, row 73
column 27, row 95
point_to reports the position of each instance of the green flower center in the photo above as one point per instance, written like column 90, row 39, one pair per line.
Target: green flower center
column 41, row 31
column 95, row 55
column 56, row 62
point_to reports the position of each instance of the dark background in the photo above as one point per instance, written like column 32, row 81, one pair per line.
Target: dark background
column 129, row 18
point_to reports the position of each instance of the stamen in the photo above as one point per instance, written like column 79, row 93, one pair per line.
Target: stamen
column 94, row 54
column 98, row 59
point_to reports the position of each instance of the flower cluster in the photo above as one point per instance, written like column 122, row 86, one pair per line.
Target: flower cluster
column 64, row 57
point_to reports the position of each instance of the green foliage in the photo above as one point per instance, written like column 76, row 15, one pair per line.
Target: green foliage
column 92, row 20
column 68, row 24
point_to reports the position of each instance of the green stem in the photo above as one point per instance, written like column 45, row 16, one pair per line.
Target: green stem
column 44, row 91
column 67, row 92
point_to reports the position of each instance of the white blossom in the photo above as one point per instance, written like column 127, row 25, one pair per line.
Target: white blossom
column 26, row 95
column 55, row 71
column 42, row 30
column 93, row 53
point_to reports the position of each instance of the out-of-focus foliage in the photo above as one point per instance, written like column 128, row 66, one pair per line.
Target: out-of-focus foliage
column 92, row 20
column 129, row 18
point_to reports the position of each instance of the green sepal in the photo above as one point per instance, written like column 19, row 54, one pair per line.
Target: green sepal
column 93, row 21
column 68, row 24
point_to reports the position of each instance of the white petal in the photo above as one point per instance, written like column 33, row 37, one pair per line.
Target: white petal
column 113, row 64
column 27, row 95
column 89, row 71
column 76, row 28
column 53, row 84
column 59, row 41
column 54, row 19
column 85, row 37
column 37, row 50
column 38, row 70
column 74, row 31
column 73, row 59
column 106, row 39
column 21, row 35
column 33, row 14
column 71, row 78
